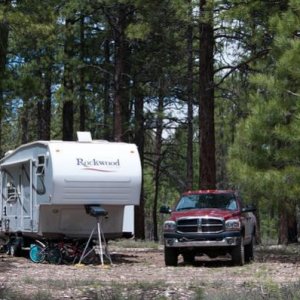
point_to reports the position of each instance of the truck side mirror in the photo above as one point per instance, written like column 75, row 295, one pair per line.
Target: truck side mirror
column 165, row 209
column 249, row 208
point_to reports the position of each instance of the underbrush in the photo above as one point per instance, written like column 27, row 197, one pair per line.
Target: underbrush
column 131, row 243
column 264, row 291
column 159, row 290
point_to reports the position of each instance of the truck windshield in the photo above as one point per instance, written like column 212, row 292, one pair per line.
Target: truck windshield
column 201, row 201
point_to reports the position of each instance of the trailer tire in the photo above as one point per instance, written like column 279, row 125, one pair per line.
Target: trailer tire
column 14, row 250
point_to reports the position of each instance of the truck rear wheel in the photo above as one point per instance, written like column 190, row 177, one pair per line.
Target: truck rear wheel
column 171, row 257
column 238, row 254
column 249, row 251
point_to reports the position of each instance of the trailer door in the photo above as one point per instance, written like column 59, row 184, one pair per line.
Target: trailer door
column 26, row 195
column 10, row 199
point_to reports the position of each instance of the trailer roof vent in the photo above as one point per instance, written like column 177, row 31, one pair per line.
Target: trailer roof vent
column 84, row 136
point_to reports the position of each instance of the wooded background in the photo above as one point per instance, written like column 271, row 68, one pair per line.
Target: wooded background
column 208, row 90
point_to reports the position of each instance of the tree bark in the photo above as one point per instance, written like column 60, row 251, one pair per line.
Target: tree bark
column 107, row 105
column 82, row 105
column 47, row 106
column 190, row 117
column 119, row 72
column 139, row 211
column 4, row 30
column 68, row 113
column 288, row 232
column 24, row 117
column 44, row 108
column 121, row 76
column 157, row 157
column 206, row 99
column 283, row 226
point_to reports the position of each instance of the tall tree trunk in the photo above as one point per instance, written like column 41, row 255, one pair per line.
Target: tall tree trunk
column 283, row 226
column 43, row 124
column 288, row 232
column 106, row 106
column 68, row 113
column 47, row 106
column 190, row 80
column 292, row 227
column 126, row 103
column 206, row 99
column 82, row 105
column 24, row 118
column 119, row 72
column 4, row 30
column 139, row 211
column 121, row 77
column 157, row 157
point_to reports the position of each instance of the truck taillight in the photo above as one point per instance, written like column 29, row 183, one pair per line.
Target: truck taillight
column 169, row 226
column 233, row 224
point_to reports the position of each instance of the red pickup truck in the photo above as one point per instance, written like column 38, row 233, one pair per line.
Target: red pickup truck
column 210, row 222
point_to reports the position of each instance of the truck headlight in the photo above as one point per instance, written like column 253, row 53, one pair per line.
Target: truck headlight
column 169, row 226
column 233, row 224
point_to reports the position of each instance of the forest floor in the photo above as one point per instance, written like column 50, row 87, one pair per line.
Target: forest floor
column 140, row 273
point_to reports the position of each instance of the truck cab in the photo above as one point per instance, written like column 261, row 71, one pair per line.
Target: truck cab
column 210, row 222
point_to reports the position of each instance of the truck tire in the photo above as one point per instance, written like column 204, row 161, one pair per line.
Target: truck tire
column 171, row 257
column 238, row 254
column 249, row 252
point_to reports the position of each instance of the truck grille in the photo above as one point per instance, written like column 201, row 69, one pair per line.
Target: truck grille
column 206, row 225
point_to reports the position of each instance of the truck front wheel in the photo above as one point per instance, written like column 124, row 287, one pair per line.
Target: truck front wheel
column 171, row 256
column 238, row 254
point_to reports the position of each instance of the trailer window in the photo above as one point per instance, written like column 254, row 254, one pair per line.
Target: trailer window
column 40, row 169
column 12, row 193
column 40, row 172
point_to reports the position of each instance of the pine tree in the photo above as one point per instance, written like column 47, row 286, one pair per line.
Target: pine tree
column 264, row 159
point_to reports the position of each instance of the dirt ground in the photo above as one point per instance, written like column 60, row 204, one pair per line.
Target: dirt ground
column 144, row 270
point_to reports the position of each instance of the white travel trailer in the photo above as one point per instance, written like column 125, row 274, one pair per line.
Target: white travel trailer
column 47, row 186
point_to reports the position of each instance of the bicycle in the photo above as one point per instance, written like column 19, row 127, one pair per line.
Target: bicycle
column 72, row 252
column 62, row 252
column 40, row 252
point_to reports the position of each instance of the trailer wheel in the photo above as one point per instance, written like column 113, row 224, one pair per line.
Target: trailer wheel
column 14, row 250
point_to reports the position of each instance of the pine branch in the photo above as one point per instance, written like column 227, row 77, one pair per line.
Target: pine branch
column 242, row 65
